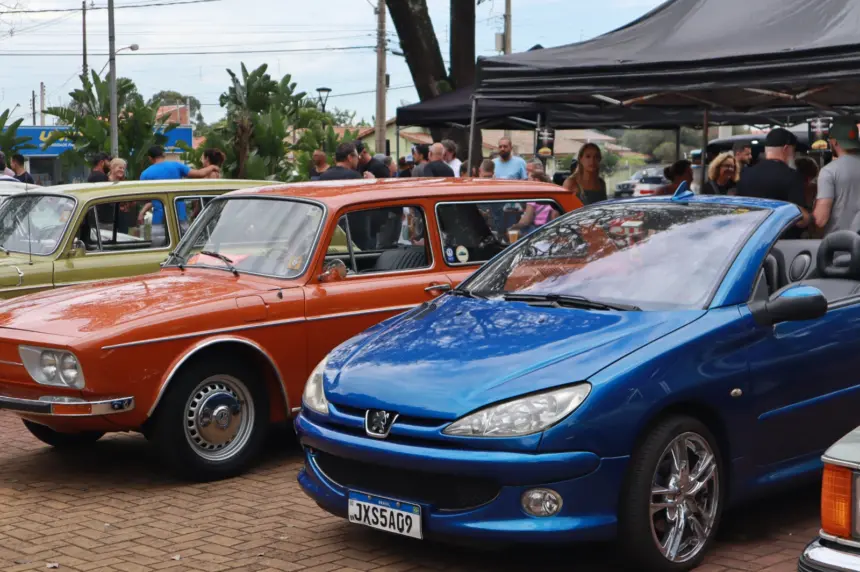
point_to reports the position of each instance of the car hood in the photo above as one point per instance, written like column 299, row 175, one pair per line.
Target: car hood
column 459, row 354
column 102, row 307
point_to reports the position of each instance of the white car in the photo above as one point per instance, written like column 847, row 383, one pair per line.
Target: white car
column 8, row 188
column 650, row 183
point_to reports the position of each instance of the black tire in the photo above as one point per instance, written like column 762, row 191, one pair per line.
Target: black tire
column 636, row 534
column 173, row 427
column 61, row 440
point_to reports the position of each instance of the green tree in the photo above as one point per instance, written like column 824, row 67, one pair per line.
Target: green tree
column 138, row 124
column 246, row 97
column 171, row 97
column 10, row 143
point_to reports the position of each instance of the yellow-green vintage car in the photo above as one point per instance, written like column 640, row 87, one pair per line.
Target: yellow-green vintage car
column 71, row 234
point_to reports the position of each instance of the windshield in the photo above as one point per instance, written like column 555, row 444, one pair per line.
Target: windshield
column 273, row 237
column 654, row 256
column 34, row 223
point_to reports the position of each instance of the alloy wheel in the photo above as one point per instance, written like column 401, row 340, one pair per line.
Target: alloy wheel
column 684, row 497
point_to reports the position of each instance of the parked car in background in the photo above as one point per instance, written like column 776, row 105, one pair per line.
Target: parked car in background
column 9, row 188
column 202, row 356
column 650, row 183
column 625, row 188
column 837, row 547
column 73, row 234
column 628, row 370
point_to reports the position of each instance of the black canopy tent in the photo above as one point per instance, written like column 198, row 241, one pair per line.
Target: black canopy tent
column 732, row 56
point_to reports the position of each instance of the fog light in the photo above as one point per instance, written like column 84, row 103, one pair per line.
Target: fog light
column 541, row 502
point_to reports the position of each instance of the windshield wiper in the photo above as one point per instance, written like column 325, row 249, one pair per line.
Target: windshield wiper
column 6, row 250
column 222, row 258
column 465, row 293
column 569, row 301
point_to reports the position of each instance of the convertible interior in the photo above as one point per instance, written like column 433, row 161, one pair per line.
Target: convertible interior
column 831, row 264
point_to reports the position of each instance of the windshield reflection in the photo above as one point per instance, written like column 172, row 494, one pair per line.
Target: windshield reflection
column 271, row 237
column 34, row 224
column 655, row 256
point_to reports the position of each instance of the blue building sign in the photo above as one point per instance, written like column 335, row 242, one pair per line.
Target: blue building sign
column 39, row 134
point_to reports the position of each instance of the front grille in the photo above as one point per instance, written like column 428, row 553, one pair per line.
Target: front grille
column 443, row 492
column 401, row 419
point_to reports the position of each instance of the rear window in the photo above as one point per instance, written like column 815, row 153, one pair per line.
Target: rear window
column 474, row 232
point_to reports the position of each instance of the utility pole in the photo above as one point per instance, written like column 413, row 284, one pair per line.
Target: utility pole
column 34, row 107
column 42, row 103
column 114, row 133
column 84, row 22
column 508, row 26
column 380, row 77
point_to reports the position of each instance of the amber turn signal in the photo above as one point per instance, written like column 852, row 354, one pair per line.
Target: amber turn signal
column 836, row 501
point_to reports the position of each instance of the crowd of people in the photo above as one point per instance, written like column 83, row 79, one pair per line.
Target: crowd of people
column 828, row 198
column 15, row 170
column 105, row 168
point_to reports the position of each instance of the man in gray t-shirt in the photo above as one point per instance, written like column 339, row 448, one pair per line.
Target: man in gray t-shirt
column 838, row 200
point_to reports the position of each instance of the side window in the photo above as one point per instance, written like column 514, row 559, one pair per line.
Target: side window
column 124, row 225
column 475, row 232
column 382, row 240
column 188, row 209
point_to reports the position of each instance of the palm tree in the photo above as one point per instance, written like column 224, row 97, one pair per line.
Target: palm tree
column 10, row 143
column 246, row 97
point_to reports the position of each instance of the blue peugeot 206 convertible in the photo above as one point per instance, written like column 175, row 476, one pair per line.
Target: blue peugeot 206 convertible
column 626, row 371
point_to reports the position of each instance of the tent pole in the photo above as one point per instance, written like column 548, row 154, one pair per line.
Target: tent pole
column 472, row 132
column 397, row 145
column 678, row 143
column 537, row 135
column 705, row 122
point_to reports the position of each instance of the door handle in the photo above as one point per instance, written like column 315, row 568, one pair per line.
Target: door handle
column 440, row 287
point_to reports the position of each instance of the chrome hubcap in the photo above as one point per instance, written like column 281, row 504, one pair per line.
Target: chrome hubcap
column 219, row 417
column 684, row 497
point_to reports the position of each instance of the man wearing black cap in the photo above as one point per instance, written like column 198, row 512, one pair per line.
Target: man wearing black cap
column 775, row 177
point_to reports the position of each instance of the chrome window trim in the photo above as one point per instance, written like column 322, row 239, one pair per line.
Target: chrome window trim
column 64, row 236
column 314, row 245
column 478, row 263
column 167, row 248
column 192, row 196
column 431, row 267
column 227, row 339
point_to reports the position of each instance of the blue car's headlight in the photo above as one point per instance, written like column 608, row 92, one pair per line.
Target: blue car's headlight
column 522, row 416
column 314, row 396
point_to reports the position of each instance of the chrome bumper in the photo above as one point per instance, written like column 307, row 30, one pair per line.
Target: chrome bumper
column 819, row 558
column 67, row 406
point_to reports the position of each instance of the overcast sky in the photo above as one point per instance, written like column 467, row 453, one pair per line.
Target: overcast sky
column 316, row 26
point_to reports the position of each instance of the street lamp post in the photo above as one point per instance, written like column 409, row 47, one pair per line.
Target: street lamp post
column 114, row 133
column 132, row 47
column 323, row 93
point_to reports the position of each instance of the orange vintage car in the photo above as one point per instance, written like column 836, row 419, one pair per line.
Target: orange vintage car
column 204, row 355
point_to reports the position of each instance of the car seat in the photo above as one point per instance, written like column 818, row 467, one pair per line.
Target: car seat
column 838, row 263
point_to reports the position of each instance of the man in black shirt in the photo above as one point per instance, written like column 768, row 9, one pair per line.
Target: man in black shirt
column 775, row 178
column 319, row 165
column 100, row 164
column 346, row 158
column 437, row 167
column 368, row 163
column 18, row 165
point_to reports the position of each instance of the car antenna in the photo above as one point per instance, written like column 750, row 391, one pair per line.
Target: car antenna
column 683, row 193
column 29, row 230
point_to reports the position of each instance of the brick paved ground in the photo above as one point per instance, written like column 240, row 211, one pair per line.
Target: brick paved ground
column 111, row 509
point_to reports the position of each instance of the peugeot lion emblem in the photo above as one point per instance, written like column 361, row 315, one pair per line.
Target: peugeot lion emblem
column 377, row 423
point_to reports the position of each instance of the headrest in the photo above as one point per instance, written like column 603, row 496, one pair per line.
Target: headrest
column 840, row 243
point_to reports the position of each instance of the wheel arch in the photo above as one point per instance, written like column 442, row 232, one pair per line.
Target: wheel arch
column 271, row 373
column 705, row 413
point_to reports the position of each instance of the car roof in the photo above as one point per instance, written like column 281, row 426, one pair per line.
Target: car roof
column 86, row 191
column 340, row 193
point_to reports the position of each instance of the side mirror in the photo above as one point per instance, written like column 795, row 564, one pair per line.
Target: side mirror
column 333, row 271
column 79, row 249
column 794, row 304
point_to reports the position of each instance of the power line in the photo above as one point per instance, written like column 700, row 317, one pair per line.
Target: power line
column 369, row 91
column 149, row 5
column 198, row 53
